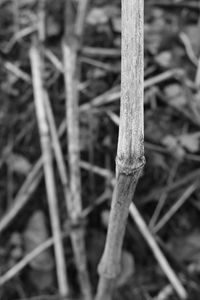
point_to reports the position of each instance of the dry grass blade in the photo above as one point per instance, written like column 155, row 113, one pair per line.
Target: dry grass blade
column 23, row 195
column 95, row 51
column 58, row 153
column 178, row 287
column 163, row 197
column 48, row 169
column 187, row 193
column 32, row 181
column 71, row 46
column 16, row 269
column 75, row 236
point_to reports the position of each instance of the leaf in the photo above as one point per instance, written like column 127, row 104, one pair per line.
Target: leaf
column 112, row 11
column 16, row 246
column 105, row 217
column 15, row 239
column 34, row 235
column 41, row 279
column 116, row 22
column 175, row 95
column 164, row 59
column 53, row 27
column 41, row 271
column 97, row 16
column 158, row 161
column 127, row 268
column 186, row 248
column 187, row 141
column 18, row 163
column 101, row 15
column 190, row 141
column 174, row 146
column 192, row 32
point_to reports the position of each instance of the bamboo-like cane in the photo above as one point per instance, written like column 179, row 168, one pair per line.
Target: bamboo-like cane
column 71, row 46
column 150, row 239
column 130, row 153
column 48, row 169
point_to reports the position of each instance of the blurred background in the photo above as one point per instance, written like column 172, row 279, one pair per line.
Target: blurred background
column 168, row 192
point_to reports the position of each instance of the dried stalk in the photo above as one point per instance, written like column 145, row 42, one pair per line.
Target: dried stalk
column 76, row 237
column 149, row 238
column 58, row 153
column 32, row 181
column 48, row 169
column 178, row 287
column 17, row 268
column 71, row 46
column 130, row 153
column 163, row 197
column 23, row 195
column 175, row 207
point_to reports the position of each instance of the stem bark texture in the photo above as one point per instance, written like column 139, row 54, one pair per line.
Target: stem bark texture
column 130, row 152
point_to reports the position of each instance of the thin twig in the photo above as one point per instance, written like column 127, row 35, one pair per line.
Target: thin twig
column 71, row 47
column 197, row 77
column 48, row 169
column 163, row 197
column 165, row 293
column 178, row 287
column 18, row 267
column 23, row 195
column 191, row 176
column 58, row 153
column 101, row 52
column 187, row 193
column 77, row 245
column 32, row 181
column 188, row 47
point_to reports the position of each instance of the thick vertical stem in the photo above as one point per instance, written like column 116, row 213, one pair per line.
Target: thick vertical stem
column 130, row 153
column 130, row 143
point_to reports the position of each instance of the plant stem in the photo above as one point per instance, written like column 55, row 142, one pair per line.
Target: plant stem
column 130, row 153
column 48, row 169
column 58, row 153
column 71, row 46
column 75, row 236
column 149, row 238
